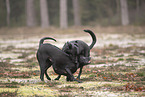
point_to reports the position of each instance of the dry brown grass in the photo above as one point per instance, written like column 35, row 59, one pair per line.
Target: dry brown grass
column 25, row 32
column 118, row 79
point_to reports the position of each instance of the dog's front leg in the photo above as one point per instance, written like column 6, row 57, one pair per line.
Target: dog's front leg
column 78, row 78
column 70, row 74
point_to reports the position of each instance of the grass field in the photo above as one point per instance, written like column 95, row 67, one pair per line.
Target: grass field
column 117, row 66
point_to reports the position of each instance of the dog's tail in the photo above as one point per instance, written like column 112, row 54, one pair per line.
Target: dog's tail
column 93, row 37
column 42, row 40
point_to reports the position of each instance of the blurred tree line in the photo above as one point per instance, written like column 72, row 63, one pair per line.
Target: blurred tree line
column 64, row 13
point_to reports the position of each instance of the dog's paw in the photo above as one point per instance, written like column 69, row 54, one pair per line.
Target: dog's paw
column 56, row 79
column 79, row 81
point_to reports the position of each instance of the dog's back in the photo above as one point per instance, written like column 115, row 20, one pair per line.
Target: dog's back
column 58, row 59
column 51, row 51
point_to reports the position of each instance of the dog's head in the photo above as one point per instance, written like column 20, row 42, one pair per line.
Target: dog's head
column 72, row 49
column 84, row 60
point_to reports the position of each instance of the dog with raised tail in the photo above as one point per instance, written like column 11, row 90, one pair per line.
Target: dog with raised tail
column 50, row 55
column 82, row 57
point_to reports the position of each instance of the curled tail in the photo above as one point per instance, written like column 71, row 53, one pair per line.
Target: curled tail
column 42, row 40
column 93, row 37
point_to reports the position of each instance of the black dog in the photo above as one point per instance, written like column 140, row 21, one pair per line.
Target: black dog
column 83, row 53
column 48, row 55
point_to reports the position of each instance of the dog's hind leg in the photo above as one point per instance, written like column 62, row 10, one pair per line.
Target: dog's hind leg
column 47, row 75
column 41, row 64
column 43, row 68
column 42, row 74
column 48, row 64
column 58, row 77
column 44, row 71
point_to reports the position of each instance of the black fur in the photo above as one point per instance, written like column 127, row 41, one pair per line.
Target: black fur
column 48, row 55
column 83, row 53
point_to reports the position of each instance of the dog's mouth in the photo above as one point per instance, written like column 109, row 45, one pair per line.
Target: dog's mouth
column 89, row 62
column 85, row 60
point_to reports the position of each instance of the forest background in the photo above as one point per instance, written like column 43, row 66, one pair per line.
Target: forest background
column 117, row 59
column 66, row 13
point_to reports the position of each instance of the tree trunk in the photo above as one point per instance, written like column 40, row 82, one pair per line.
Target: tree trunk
column 137, row 6
column 63, row 14
column 44, row 14
column 118, row 7
column 8, row 12
column 30, row 11
column 77, row 21
column 124, row 12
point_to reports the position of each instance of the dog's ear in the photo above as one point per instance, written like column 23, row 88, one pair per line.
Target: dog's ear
column 77, row 50
column 76, row 44
column 69, row 45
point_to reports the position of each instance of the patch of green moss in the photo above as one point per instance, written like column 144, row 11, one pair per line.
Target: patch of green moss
column 39, row 90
